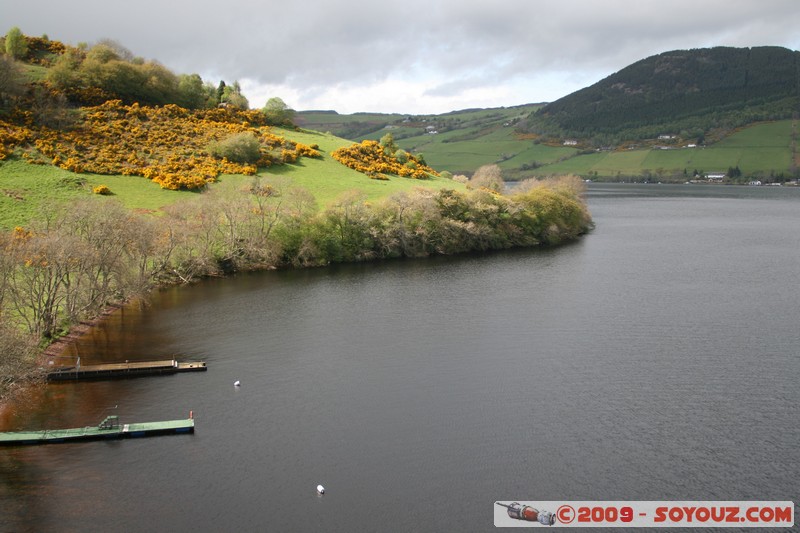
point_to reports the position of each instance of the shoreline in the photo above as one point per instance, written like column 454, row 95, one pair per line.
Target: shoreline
column 46, row 357
column 567, row 226
column 59, row 345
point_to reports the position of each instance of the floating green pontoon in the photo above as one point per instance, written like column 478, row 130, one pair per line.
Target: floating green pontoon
column 110, row 428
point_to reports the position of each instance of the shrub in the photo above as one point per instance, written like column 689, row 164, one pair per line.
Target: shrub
column 240, row 148
column 371, row 157
column 102, row 189
column 489, row 177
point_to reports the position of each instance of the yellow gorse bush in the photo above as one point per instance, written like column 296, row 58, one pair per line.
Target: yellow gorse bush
column 370, row 158
column 166, row 144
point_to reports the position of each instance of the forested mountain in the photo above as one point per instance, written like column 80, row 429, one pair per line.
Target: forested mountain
column 688, row 92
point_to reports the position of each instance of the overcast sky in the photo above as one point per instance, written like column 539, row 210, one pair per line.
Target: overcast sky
column 408, row 56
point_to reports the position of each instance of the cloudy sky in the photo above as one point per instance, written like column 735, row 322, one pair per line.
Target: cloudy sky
column 408, row 56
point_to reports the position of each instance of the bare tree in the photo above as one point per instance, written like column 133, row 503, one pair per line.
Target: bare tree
column 17, row 356
column 489, row 177
column 12, row 81
column 37, row 285
column 192, row 238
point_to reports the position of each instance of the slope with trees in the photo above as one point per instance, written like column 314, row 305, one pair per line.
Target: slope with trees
column 80, row 113
column 682, row 92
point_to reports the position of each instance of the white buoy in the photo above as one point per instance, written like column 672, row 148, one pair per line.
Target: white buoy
column 320, row 489
column 236, row 383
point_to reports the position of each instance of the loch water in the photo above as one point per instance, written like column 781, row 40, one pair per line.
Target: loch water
column 656, row 358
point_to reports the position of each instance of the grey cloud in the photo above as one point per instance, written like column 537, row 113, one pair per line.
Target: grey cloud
column 465, row 43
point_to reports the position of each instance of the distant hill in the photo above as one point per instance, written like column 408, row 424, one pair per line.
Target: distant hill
column 458, row 141
column 667, row 117
column 682, row 92
column 360, row 126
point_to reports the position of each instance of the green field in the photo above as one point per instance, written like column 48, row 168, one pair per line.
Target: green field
column 762, row 149
column 759, row 150
column 487, row 137
column 466, row 140
column 27, row 190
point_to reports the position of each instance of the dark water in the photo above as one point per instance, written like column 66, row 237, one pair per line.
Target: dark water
column 655, row 359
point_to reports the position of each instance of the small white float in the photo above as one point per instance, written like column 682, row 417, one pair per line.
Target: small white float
column 237, row 384
column 320, row 489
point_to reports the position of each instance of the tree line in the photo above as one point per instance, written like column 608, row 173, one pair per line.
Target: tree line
column 85, row 75
column 76, row 260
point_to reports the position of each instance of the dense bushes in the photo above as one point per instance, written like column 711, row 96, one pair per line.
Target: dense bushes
column 100, row 252
column 372, row 159
column 175, row 147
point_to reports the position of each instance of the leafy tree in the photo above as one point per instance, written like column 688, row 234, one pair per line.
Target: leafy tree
column 102, row 53
column 277, row 112
column 388, row 144
column 211, row 94
column 120, row 51
column 160, row 85
column 65, row 74
column 232, row 95
column 191, row 91
column 16, row 46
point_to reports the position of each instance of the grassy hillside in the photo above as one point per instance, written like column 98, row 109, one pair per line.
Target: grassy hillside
column 91, row 116
column 117, row 177
column 682, row 92
column 459, row 142
column 762, row 150
column 171, row 146
column 25, row 189
column 734, row 104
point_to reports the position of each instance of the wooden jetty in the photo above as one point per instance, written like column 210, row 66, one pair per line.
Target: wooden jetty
column 109, row 428
column 128, row 369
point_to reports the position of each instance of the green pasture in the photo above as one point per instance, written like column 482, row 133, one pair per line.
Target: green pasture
column 323, row 118
column 761, row 148
column 27, row 190
column 465, row 140
column 463, row 151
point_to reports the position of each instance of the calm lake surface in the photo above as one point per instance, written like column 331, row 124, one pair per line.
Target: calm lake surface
column 655, row 359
